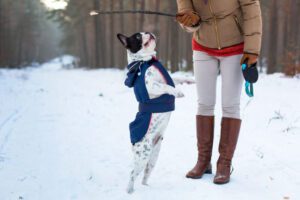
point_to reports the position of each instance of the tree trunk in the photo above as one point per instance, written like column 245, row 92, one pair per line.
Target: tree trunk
column 97, row 25
column 174, row 42
column 272, row 38
column 189, row 53
column 142, row 18
column 156, row 19
column 84, row 51
column 112, row 36
column 122, row 28
column 135, row 16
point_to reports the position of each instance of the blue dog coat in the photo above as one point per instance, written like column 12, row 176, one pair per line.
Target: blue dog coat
column 164, row 103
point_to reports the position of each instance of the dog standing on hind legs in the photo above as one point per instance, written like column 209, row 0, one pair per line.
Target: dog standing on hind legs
column 155, row 91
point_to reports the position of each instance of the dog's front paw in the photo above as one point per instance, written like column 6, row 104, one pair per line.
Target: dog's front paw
column 178, row 94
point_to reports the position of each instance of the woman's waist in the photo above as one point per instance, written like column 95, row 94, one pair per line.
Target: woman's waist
column 235, row 48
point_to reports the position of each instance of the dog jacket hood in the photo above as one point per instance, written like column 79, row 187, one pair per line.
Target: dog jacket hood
column 133, row 71
column 164, row 103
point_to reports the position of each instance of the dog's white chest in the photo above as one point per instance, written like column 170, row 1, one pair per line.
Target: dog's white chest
column 152, row 77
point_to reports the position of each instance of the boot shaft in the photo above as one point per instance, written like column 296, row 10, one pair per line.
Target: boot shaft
column 205, row 136
column 230, row 129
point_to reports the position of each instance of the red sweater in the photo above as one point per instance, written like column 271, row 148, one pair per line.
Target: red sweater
column 227, row 51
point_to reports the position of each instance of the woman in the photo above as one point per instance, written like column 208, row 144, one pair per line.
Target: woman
column 227, row 33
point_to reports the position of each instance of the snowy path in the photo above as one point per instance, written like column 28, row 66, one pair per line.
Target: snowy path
column 64, row 135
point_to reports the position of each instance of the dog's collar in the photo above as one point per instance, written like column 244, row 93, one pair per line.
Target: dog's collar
column 133, row 66
column 140, row 56
column 134, row 70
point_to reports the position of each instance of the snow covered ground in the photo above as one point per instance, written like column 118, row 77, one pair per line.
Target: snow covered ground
column 64, row 135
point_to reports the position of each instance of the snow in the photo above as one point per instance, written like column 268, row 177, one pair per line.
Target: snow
column 64, row 135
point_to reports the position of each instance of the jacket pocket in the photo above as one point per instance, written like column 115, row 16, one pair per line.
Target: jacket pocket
column 238, row 24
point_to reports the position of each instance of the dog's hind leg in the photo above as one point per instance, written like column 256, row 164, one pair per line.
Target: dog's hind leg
column 153, row 158
column 156, row 142
column 141, row 152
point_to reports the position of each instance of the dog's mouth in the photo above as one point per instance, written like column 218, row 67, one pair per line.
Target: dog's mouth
column 149, row 40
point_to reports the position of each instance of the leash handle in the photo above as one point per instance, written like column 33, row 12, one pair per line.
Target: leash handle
column 248, row 86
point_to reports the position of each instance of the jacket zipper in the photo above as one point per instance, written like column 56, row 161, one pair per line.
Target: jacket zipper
column 238, row 24
column 215, row 24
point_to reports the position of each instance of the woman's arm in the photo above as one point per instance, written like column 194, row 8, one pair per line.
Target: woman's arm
column 188, row 19
column 252, row 26
column 184, row 5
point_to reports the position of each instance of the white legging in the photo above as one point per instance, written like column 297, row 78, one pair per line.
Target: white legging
column 206, row 70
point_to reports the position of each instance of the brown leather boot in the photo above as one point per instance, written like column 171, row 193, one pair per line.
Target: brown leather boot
column 205, row 136
column 230, row 129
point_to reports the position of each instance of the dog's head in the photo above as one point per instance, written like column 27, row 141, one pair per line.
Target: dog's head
column 138, row 43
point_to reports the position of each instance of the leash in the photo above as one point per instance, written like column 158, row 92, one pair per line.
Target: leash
column 250, row 74
column 148, row 12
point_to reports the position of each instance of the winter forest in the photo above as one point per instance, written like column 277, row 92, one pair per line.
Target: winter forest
column 65, row 110
column 32, row 32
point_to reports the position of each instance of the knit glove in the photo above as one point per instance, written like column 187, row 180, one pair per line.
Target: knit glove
column 252, row 59
column 188, row 18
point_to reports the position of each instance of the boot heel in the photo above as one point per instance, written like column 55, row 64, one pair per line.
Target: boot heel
column 208, row 170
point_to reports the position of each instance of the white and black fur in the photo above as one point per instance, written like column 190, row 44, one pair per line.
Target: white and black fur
column 141, row 46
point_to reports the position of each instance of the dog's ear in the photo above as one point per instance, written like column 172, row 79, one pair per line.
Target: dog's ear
column 123, row 39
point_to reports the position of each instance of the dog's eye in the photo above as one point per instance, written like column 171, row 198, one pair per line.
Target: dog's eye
column 138, row 37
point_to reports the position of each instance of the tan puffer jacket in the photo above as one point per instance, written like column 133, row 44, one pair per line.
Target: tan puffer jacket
column 226, row 23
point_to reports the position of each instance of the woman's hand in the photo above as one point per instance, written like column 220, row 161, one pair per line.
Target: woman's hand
column 251, row 59
column 188, row 18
